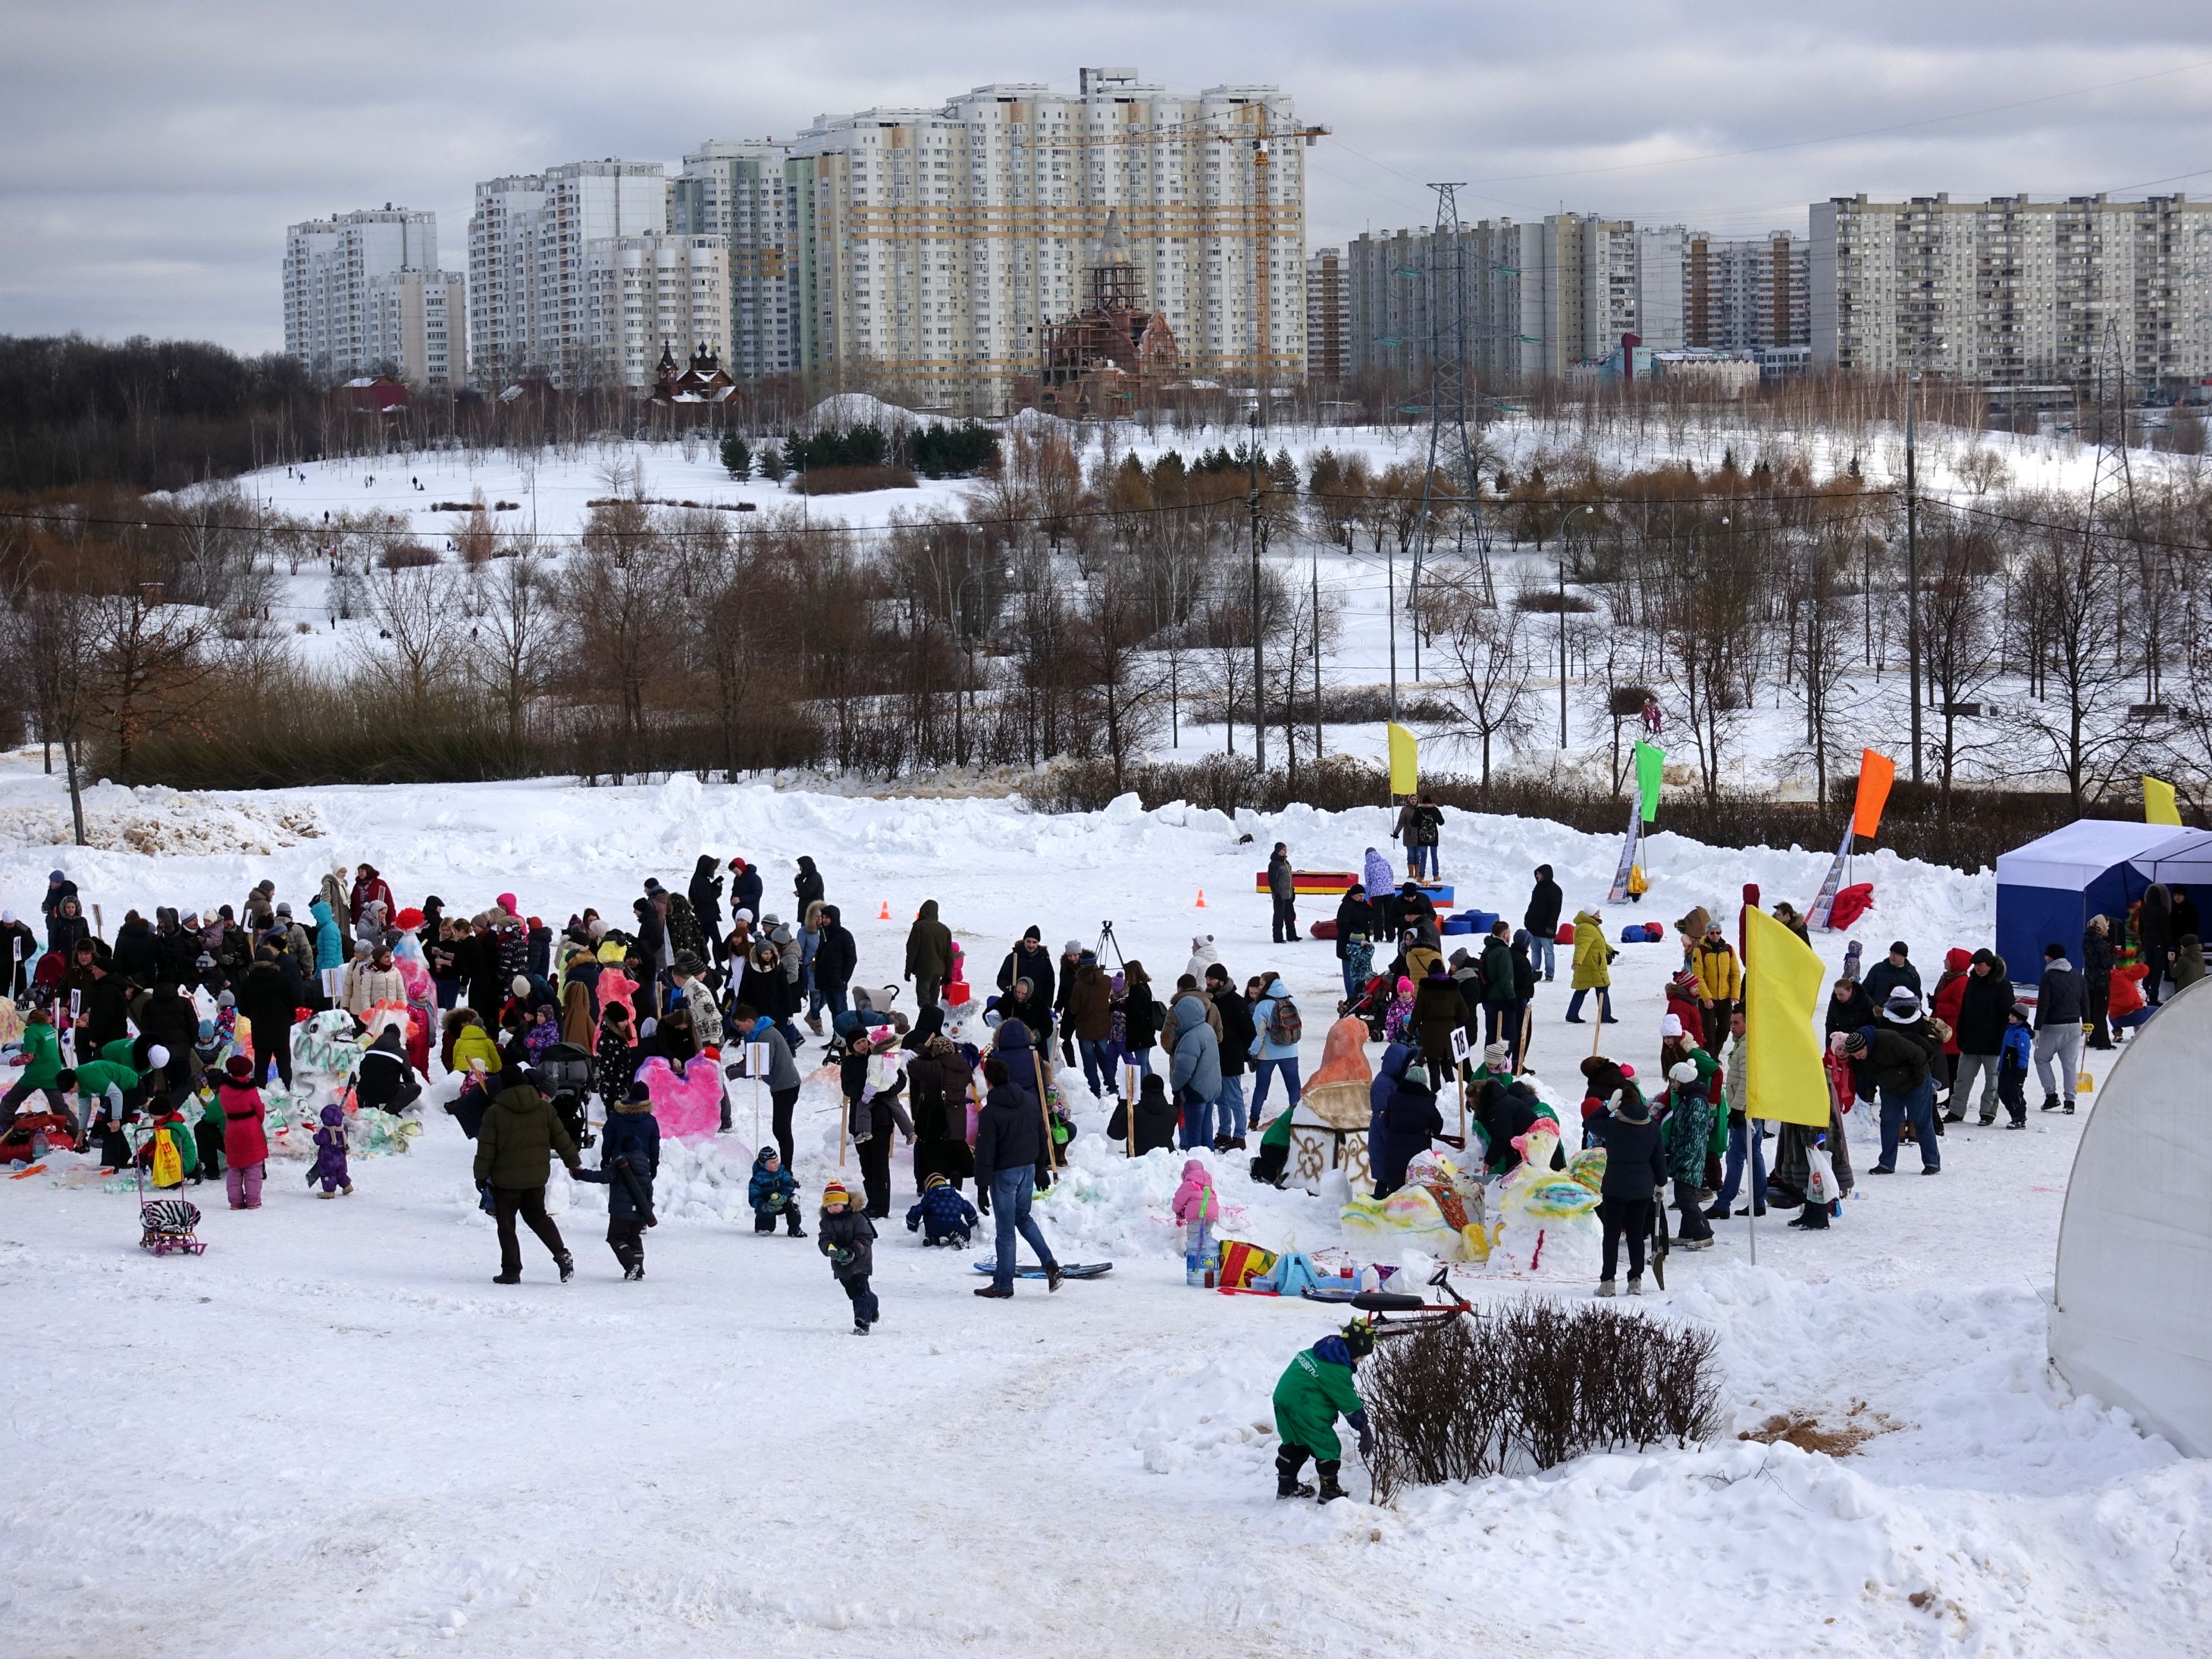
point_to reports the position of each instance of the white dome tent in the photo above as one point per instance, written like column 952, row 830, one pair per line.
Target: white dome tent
column 2133, row 1320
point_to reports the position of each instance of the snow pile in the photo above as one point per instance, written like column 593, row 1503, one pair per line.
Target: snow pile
column 844, row 410
column 157, row 821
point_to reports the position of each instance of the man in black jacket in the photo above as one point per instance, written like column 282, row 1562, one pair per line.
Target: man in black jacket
column 1543, row 920
column 1009, row 1147
column 265, row 999
column 1029, row 960
column 1283, row 889
column 1635, row 1168
column 1236, row 1033
column 2061, row 1000
column 1984, row 1005
column 836, row 959
column 1897, row 1050
column 1892, row 971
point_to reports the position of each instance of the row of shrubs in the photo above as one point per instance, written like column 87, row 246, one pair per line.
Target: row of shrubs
column 1967, row 832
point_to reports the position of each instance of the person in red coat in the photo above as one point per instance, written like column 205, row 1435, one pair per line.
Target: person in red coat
column 368, row 886
column 1950, row 993
column 244, row 1144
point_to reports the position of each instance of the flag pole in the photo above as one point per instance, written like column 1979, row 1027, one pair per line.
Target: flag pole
column 1753, row 1152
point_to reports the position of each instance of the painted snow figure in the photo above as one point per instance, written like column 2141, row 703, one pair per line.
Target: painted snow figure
column 688, row 1103
column 1328, row 1125
column 1197, row 1212
column 1438, row 1211
column 330, row 1166
column 1314, row 1389
column 773, row 1192
column 941, row 1215
column 848, row 1239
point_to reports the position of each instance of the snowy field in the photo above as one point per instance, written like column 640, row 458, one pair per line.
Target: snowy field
column 332, row 1435
column 550, row 490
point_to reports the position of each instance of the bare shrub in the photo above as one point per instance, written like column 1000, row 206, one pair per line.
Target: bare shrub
column 406, row 555
column 1532, row 1385
column 855, row 480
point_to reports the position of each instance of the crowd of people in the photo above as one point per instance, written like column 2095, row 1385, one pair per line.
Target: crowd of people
column 194, row 1010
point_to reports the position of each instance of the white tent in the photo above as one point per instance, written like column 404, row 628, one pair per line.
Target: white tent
column 2133, row 1324
column 2183, row 858
column 2048, row 890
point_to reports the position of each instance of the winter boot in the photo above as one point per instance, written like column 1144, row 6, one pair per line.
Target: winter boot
column 2069, row 1109
column 1330, row 1491
column 2051, row 1103
column 1605, row 1287
column 567, row 1264
column 635, row 1270
column 507, row 1279
column 797, row 1231
column 1636, row 1284
column 1052, row 1276
column 1288, row 1461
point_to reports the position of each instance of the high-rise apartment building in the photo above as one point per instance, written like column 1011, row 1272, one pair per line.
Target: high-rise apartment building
column 1578, row 286
column 741, row 192
column 2013, row 292
column 418, row 326
column 1387, row 281
column 937, row 245
column 1328, row 319
column 328, row 264
column 1748, row 294
column 644, row 294
column 529, row 238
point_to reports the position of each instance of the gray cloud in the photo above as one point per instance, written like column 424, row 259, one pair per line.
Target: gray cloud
column 151, row 155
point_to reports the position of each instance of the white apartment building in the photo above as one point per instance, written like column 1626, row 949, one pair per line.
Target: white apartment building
column 937, row 244
column 529, row 238
column 328, row 264
column 1328, row 319
column 741, row 192
column 417, row 323
column 1746, row 293
column 2014, row 292
column 645, row 293
column 1578, row 291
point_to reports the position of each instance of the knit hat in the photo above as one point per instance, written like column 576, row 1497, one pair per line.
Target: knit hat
column 1493, row 1056
column 157, row 1057
column 1417, row 1074
column 55, row 875
column 1682, row 1071
column 1902, row 1008
column 934, row 1181
column 1671, row 1026
column 228, row 999
column 1073, row 948
column 204, row 962
column 238, row 1068
column 2020, row 1010
column 520, row 985
column 835, row 1193
column 1628, row 1106
column 1897, row 948
column 284, row 907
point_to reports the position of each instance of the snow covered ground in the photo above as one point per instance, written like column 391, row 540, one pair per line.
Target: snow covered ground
column 550, row 490
column 331, row 1434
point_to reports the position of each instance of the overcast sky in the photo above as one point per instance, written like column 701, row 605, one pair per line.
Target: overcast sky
column 151, row 154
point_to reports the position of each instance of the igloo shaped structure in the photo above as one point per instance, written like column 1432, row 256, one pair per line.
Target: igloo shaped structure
column 2133, row 1324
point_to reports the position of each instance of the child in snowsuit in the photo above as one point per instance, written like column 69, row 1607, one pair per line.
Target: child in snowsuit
column 941, row 1215
column 330, row 1165
column 207, row 1133
column 848, row 1239
column 1315, row 1388
column 1198, row 1210
column 1401, row 1013
column 1687, row 1136
column 630, row 1158
column 245, row 1140
column 2012, row 1059
column 772, row 1191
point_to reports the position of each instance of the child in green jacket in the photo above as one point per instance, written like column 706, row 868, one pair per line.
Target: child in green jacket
column 1315, row 1388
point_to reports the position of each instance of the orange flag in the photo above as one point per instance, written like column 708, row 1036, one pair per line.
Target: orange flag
column 1876, row 773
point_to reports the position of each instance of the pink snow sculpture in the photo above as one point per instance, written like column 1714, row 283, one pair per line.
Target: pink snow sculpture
column 688, row 1105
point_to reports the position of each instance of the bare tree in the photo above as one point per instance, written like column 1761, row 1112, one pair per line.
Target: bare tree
column 417, row 623
column 2078, row 721
column 514, row 603
column 1490, row 667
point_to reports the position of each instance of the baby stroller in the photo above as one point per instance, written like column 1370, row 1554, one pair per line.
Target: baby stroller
column 869, row 1009
column 1371, row 1007
column 569, row 1072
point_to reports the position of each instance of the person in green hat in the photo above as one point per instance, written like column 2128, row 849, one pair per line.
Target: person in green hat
column 1314, row 1389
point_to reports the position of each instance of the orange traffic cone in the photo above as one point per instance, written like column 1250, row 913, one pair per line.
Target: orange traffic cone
column 1201, row 905
column 884, row 914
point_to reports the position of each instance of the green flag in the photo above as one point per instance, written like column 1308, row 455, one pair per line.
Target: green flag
column 1650, row 759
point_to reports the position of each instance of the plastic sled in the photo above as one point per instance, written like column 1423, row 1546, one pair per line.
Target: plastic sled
column 1079, row 1270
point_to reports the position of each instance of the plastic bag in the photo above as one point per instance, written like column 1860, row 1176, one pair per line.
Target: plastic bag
column 168, row 1165
column 1821, row 1182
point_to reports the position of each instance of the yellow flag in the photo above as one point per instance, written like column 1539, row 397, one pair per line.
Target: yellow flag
column 1405, row 761
column 1785, row 1078
column 2158, row 803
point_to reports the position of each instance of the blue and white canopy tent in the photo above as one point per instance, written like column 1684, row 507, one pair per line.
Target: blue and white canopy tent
column 2048, row 890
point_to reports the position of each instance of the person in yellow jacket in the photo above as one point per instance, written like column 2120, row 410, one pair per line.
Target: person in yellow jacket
column 1593, row 968
column 1720, row 983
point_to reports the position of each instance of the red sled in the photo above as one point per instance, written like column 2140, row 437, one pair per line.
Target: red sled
column 1565, row 935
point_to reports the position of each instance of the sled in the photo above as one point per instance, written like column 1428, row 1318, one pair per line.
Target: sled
column 1079, row 1270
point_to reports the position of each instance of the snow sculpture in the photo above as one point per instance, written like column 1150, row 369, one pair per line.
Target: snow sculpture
column 1438, row 1210
column 688, row 1103
column 1328, row 1125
